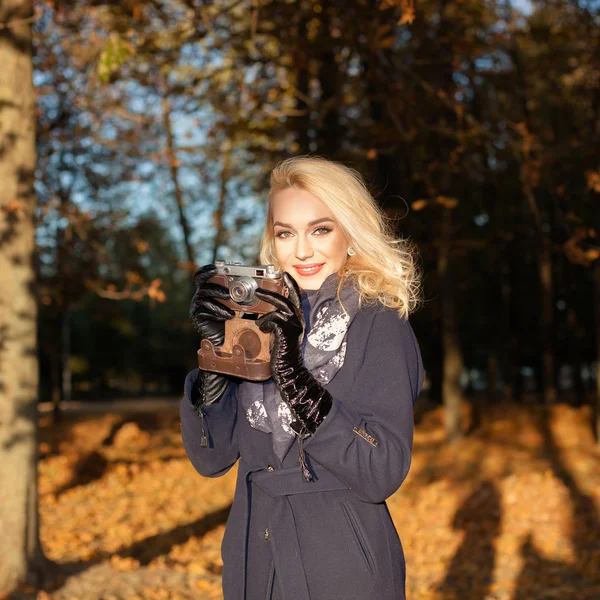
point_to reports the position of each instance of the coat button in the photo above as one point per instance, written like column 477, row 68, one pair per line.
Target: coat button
column 270, row 468
column 267, row 533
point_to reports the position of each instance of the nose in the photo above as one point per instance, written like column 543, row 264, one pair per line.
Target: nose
column 304, row 249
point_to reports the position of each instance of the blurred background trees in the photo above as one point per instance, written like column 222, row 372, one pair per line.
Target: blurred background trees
column 475, row 124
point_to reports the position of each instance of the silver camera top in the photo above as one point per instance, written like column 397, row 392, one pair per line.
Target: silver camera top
column 242, row 281
column 236, row 269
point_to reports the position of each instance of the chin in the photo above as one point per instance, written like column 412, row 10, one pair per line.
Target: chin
column 308, row 283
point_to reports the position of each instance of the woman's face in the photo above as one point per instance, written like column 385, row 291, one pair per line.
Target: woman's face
column 309, row 244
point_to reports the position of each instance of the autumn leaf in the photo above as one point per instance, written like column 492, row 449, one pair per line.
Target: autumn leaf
column 155, row 292
column 386, row 42
column 133, row 277
column 141, row 246
column 408, row 16
column 114, row 53
column 420, row 204
column 577, row 254
column 129, row 504
column 446, row 201
column 593, row 180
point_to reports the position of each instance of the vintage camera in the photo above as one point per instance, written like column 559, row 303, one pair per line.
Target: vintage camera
column 246, row 350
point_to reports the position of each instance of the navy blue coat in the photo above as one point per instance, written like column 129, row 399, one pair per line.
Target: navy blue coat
column 332, row 538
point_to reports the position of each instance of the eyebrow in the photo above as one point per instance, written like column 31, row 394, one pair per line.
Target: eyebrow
column 315, row 222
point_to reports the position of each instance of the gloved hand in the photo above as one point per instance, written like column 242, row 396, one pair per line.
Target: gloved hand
column 307, row 398
column 208, row 317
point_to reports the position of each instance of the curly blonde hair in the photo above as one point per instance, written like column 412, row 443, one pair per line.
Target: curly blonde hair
column 384, row 269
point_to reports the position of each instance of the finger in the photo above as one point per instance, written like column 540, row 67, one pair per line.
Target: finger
column 211, row 309
column 268, row 327
column 293, row 289
column 267, row 318
column 269, row 322
column 204, row 273
column 218, row 309
column 212, row 290
column 277, row 300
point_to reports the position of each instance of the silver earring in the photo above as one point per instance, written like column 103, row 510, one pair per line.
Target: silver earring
column 351, row 251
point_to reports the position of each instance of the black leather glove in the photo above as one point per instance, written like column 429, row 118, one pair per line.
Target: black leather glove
column 307, row 398
column 208, row 317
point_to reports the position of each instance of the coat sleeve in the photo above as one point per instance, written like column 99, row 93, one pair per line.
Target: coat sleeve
column 366, row 439
column 216, row 423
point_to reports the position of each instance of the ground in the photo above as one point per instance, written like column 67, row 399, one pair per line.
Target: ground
column 511, row 512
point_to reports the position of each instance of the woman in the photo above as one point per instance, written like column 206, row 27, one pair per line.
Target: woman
column 309, row 521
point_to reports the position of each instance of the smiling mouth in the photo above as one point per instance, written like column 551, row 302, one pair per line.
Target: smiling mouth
column 308, row 270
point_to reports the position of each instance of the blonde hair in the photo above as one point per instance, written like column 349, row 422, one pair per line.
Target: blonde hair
column 384, row 269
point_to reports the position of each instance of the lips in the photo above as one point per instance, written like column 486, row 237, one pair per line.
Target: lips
column 308, row 270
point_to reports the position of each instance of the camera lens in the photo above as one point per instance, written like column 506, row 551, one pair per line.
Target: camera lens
column 242, row 290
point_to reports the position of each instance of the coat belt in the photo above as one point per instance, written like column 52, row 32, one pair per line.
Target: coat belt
column 279, row 485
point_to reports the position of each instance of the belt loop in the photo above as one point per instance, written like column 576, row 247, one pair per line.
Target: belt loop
column 306, row 474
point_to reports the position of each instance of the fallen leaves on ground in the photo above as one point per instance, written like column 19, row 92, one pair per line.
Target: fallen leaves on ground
column 511, row 512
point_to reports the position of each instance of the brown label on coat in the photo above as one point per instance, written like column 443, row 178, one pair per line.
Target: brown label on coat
column 365, row 436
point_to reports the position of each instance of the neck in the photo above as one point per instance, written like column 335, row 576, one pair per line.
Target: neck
column 332, row 278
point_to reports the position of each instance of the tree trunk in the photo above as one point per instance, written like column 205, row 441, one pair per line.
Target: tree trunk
column 174, row 170
column 62, row 285
column 301, row 57
column 544, row 243
column 329, row 133
column 492, row 370
column 453, row 359
column 20, row 552
column 65, row 355
column 574, row 358
column 55, row 390
column 545, row 270
column 597, row 304
column 510, row 363
column 218, row 223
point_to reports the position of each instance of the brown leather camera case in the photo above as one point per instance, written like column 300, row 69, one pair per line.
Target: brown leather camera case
column 245, row 352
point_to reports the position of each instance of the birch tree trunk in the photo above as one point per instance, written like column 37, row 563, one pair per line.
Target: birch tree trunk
column 20, row 549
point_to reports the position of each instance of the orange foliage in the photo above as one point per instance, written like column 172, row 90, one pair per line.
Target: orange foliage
column 514, row 506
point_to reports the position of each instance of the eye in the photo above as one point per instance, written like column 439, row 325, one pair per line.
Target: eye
column 322, row 230
column 283, row 234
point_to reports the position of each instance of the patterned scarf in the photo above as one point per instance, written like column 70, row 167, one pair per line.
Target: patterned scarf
column 324, row 349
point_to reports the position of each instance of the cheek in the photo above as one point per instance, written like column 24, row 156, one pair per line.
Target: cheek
column 337, row 249
column 281, row 252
